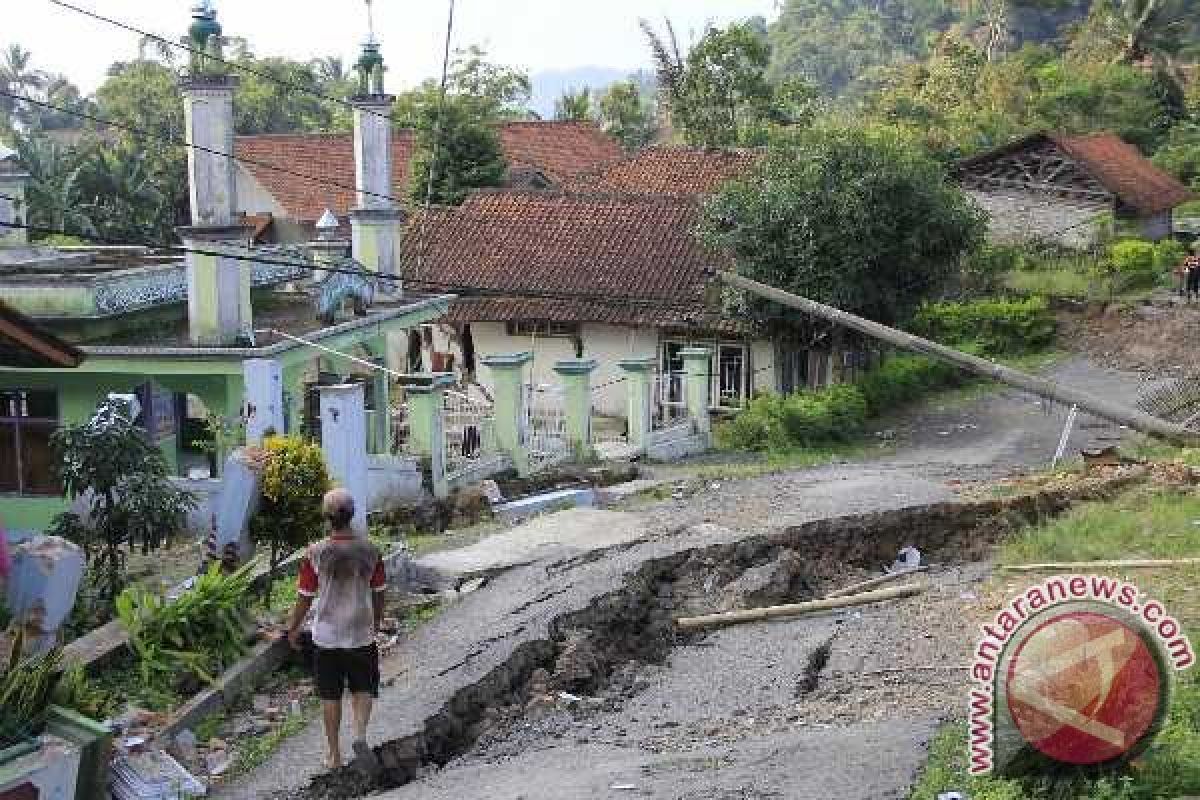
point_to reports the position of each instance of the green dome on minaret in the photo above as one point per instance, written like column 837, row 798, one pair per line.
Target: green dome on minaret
column 204, row 22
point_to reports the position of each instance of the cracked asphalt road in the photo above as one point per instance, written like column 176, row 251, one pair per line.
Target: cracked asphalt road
column 734, row 727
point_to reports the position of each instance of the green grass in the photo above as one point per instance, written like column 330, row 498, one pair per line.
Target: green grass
column 210, row 726
column 774, row 462
column 1067, row 283
column 253, row 751
column 1141, row 523
column 1145, row 522
column 1169, row 769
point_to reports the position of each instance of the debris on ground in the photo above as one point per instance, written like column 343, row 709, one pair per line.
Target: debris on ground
column 152, row 775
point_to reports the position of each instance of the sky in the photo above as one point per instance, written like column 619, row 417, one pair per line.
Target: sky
column 537, row 35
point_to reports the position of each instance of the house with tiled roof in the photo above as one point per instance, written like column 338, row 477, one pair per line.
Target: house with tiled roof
column 1054, row 186
column 672, row 170
column 604, row 276
column 269, row 178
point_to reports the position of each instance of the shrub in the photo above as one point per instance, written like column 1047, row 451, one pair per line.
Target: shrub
column 836, row 413
column 997, row 326
column 1133, row 259
column 202, row 632
column 804, row 419
column 294, row 479
column 1169, row 254
column 902, row 379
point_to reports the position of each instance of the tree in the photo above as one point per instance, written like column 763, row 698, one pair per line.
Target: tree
column 627, row 115
column 859, row 219
column 719, row 95
column 458, row 149
column 109, row 462
column 574, row 105
column 120, row 194
column 145, row 95
column 54, row 194
column 725, row 94
column 1127, row 31
column 287, row 102
column 17, row 76
column 498, row 91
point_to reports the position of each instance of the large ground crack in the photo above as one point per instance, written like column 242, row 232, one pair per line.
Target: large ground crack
column 635, row 622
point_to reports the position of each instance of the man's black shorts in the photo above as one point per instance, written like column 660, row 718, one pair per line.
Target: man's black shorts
column 338, row 670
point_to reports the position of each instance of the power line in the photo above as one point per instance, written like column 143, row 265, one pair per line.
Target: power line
column 437, row 137
column 184, row 143
column 235, row 65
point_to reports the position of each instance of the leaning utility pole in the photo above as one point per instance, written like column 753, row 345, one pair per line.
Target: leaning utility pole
column 1114, row 412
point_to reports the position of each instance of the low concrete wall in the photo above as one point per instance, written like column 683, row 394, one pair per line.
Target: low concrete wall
column 392, row 481
column 676, row 442
column 207, row 491
column 480, row 470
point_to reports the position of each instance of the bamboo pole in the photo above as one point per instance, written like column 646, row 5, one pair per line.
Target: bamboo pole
column 796, row 609
column 1100, row 407
column 871, row 583
column 1079, row 566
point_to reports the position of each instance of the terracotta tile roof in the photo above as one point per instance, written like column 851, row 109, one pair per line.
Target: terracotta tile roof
column 557, row 150
column 1112, row 161
column 621, row 259
column 675, row 171
column 1125, row 171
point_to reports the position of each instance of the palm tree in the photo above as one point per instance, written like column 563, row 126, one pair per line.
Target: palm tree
column 53, row 192
column 17, row 77
column 1130, row 31
column 669, row 66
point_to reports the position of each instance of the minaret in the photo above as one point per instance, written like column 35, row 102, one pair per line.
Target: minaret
column 375, row 220
column 219, row 312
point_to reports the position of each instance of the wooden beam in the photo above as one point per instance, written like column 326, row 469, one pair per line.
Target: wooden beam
column 49, row 350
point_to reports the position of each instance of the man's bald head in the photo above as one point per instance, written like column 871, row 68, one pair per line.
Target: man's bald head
column 338, row 508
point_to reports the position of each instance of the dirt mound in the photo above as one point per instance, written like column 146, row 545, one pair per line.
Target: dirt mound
column 1160, row 337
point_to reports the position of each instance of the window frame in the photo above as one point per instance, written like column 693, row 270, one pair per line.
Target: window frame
column 11, row 402
column 542, row 327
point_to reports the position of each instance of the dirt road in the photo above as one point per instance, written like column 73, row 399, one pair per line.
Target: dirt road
column 723, row 716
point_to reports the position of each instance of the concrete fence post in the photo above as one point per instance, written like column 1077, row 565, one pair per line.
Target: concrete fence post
column 508, row 378
column 344, row 442
column 639, row 378
column 697, row 372
column 46, row 573
column 263, row 407
column 382, row 427
column 426, row 396
column 576, row 378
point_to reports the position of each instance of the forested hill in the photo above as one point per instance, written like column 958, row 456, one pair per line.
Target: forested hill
column 836, row 43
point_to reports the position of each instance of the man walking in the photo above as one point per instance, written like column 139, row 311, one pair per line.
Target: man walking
column 343, row 575
column 1191, row 267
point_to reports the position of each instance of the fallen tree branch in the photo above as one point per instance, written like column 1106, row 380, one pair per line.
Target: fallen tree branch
column 796, row 609
column 871, row 583
column 1075, row 566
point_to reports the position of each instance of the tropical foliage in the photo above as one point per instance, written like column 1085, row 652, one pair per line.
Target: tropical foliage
column 859, row 219
column 195, row 636
column 122, row 477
